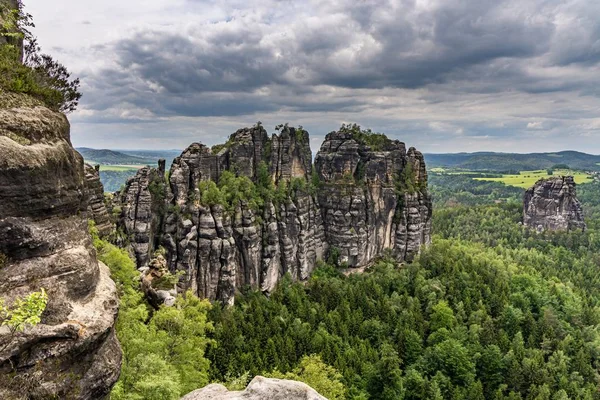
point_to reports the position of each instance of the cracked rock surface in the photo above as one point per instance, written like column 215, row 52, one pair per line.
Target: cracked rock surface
column 258, row 389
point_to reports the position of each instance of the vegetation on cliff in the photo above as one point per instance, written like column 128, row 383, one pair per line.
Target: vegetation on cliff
column 376, row 141
column 24, row 69
column 163, row 350
column 24, row 313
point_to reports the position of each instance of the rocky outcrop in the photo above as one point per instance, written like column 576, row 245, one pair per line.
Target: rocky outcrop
column 551, row 204
column 259, row 389
column 73, row 353
column 358, row 202
column 372, row 198
column 142, row 208
column 157, row 282
column 95, row 196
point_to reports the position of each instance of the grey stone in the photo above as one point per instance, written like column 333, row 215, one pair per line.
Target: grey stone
column 259, row 389
column 96, row 209
column 221, row 252
column 552, row 204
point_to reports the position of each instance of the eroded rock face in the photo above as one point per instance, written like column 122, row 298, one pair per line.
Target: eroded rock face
column 73, row 353
column 358, row 210
column 142, row 202
column 259, row 389
column 372, row 200
column 551, row 204
column 96, row 207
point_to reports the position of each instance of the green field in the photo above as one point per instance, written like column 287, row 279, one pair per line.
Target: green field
column 459, row 171
column 120, row 168
column 526, row 179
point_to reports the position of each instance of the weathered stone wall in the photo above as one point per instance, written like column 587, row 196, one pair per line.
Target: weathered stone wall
column 551, row 204
column 73, row 353
column 365, row 210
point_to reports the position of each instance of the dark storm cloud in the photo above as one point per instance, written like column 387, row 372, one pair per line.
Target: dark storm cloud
column 346, row 56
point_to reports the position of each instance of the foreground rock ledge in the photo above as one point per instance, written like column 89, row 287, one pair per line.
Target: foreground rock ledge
column 44, row 242
column 259, row 389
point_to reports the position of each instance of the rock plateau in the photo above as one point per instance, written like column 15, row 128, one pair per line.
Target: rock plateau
column 259, row 389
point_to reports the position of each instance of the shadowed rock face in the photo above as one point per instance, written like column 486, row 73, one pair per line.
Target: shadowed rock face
column 359, row 209
column 259, row 389
column 73, row 353
column 551, row 204
column 96, row 207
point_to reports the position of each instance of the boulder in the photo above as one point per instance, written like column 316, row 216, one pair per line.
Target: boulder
column 259, row 389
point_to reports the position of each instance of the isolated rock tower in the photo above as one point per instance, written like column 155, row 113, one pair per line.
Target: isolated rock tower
column 551, row 204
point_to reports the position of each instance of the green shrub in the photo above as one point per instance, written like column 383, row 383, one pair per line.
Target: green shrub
column 376, row 141
column 316, row 374
column 163, row 351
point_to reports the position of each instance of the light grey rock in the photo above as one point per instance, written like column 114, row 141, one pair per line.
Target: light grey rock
column 259, row 389
column 552, row 204
column 142, row 204
column 364, row 210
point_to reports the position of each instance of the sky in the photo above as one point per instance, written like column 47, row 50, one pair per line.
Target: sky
column 440, row 75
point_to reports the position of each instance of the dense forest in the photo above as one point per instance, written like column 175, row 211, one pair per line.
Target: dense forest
column 450, row 190
column 490, row 310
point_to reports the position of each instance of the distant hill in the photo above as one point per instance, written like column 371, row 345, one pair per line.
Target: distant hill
column 127, row 157
column 168, row 155
column 489, row 161
column 106, row 156
column 112, row 176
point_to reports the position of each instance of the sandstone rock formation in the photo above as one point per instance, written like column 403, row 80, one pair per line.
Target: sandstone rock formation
column 96, row 207
column 551, row 204
column 73, row 353
column 259, row 389
column 358, row 202
column 372, row 199
column 141, row 211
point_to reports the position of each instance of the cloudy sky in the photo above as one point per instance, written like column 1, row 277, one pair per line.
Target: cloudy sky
column 440, row 75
